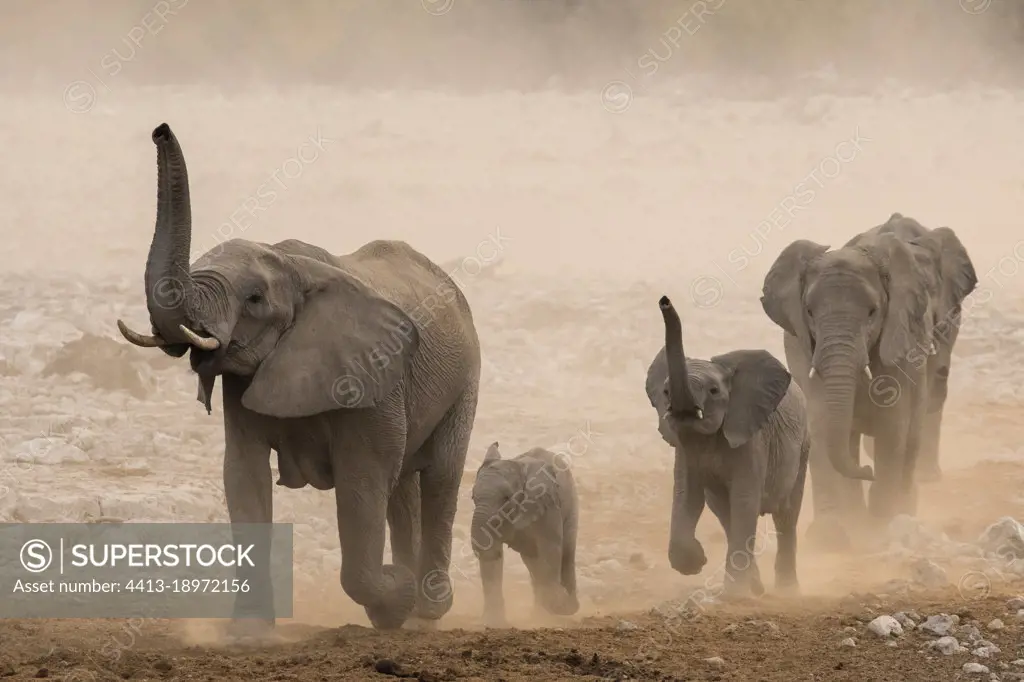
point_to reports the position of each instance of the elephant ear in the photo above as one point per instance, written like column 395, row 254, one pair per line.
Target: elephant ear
column 540, row 492
column 348, row 348
column 957, row 276
column 782, row 293
column 657, row 374
column 909, row 318
column 757, row 384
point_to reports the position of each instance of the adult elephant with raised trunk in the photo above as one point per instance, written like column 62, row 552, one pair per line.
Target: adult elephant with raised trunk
column 361, row 371
column 859, row 325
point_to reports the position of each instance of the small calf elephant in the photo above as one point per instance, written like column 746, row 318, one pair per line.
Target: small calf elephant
column 530, row 504
column 739, row 427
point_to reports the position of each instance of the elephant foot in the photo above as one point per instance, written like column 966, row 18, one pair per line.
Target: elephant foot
column 560, row 603
column 687, row 556
column 827, row 534
column 436, row 596
column 495, row 619
column 928, row 473
column 420, row 624
column 787, row 587
column 399, row 599
column 251, row 631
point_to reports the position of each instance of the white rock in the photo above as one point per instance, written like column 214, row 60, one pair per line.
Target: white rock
column 1015, row 604
column 1005, row 537
column 892, row 643
column 715, row 662
column 986, row 651
column 849, row 630
column 848, row 642
column 1019, row 662
column 625, row 625
column 885, row 626
column 941, row 624
column 969, row 632
column 947, row 646
column 995, row 624
column 973, row 668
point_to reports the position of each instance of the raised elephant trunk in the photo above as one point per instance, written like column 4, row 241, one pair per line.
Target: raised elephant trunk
column 841, row 368
column 680, row 398
column 169, row 284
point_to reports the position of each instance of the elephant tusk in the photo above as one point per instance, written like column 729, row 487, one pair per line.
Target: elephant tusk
column 700, row 413
column 810, row 375
column 867, row 372
column 200, row 342
column 138, row 339
column 931, row 349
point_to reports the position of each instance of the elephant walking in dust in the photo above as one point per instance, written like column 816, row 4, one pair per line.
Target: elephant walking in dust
column 739, row 428
column 361, row 371
column 530, row 504
column 869, row 331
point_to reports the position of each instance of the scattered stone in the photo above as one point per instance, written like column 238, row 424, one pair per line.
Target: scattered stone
column 730, row 629
column 48, row 450
column 973, row 668
column 1015, row 604
column 849, row 630
column 848, row 642
column 163, row 665
column 625, row 625
column 905, row 620
column 885, row 626
column 947, row 646
column 929, row 573
column 969, row 632
column 1019, row 662
column 986, row 651
column 716, row 662
column 995, row 624
column 1004, row 538
column 914, row 616
column 941, row 624
column 892, row 643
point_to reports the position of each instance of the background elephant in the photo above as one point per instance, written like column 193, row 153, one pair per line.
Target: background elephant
column 955, row 280
column 859, row 325
column 360, row 371
column 739, row 428
column 530, row 504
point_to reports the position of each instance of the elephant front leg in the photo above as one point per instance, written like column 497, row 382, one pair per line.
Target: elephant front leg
column 928, row 469
column 364, row 481
column 445, row 451
column 404, row 522
column 831, row 494
column 491, row 575
column 248, row 491
column 685, row 553
column 741, row 571
column 546, row 567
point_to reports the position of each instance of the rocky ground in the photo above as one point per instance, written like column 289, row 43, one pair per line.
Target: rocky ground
column 597, row 215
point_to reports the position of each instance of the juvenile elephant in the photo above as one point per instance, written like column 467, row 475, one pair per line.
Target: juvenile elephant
column 942, row 253
column 361, row 371
column 859, row 325
column 530, row 504
column 739, row 428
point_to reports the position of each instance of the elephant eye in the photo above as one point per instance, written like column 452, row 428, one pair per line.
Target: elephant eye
column 255, row 297
column 809, row 313
column 713, row 390
column 872, row 312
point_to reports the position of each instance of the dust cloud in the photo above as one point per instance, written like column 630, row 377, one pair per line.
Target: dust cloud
column 569, row 161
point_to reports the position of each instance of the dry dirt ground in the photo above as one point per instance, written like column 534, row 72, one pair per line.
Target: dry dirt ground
column 564, row 216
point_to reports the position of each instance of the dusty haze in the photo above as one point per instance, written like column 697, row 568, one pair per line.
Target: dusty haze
column 570, row 162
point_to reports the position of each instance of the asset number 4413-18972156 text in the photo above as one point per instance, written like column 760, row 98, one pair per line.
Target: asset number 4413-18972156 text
column 186, row 585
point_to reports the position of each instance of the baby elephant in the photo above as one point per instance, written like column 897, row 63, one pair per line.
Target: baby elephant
column 739, row 427
column 528, row 503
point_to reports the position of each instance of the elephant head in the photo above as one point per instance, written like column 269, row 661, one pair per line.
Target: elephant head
column 507, row 497
column 733, row 394
column 866, row 301
column 263, row 312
